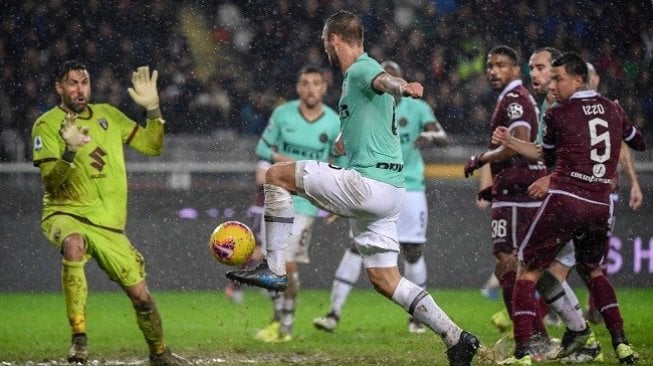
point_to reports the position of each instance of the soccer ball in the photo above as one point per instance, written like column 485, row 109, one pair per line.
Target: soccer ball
column 232, row 243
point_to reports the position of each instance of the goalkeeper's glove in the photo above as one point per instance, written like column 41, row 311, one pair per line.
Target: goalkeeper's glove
column 144, row 91
column 74, row 136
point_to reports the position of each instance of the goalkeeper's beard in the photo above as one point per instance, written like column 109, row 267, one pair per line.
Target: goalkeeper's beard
column 77, row 106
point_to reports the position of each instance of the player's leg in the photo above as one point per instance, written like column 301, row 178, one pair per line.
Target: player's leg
column 411, row 230
column 65, row 233
column 125, row 265
column 346, row 276
column 589, row 255
column 279, row 216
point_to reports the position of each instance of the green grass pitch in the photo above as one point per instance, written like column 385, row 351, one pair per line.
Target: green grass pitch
column 209, row 330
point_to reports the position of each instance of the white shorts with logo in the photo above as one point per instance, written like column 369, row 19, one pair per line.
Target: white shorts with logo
column 372, row 207
column 413, row 219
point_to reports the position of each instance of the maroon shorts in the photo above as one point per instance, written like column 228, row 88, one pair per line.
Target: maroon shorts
column 510, row 223
column 561, row 218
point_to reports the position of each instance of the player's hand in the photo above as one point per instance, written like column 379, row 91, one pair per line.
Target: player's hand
column 540, row 187
column 500, row 136
column 339, row 147
column 74, row 136
column 144, row 91
column 475, row 162
column 414, row 90
column 636, row 197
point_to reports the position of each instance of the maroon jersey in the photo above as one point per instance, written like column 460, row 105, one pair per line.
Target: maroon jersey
column 515, row 108
column 585, row 134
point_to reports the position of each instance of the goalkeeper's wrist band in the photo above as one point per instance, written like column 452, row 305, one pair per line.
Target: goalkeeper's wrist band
column 68, row 156
column 154, row 113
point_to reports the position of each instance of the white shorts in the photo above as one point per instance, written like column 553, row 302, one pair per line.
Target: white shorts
column 413, row 219
column 372, row 206
column 567, row 255
column 300, row 238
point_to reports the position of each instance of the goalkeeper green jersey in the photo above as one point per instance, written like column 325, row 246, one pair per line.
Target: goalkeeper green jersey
column 93, row 188
column 541, row 130
column 368, row 125
column 412, row 115
column 290, row 134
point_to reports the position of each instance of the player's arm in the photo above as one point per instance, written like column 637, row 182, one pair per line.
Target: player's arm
column 266, row 147
column 485, row 183
column 627, row 164
column 514, row 144
column 148, row 140
column 396, row 86
column 55, row 173
column 433, row 134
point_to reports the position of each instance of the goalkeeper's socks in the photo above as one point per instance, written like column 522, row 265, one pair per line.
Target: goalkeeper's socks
column 279, row 217
column 421, row 305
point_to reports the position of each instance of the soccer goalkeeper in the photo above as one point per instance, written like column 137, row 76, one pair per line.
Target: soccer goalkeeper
column 78, row 147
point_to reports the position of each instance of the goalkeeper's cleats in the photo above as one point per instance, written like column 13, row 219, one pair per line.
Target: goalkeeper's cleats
column 415, row 327
column 328, row 322
column 168, row 358
column 462, row 353
column 78, row 352
column 626, row 354
column 261, row 276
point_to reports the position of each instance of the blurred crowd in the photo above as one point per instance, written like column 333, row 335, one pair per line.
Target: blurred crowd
column 225, row 65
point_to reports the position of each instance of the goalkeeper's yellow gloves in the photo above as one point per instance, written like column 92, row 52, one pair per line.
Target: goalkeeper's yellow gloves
column 144, row 91
column 74, row 136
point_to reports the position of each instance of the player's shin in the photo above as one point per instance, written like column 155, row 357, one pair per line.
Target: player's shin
column 562, row 300
column 523, row 314
column 149, row 322
column 605, row 299
column 279, row 217
column 346, row 276
column 421, row 305
column 75, row 289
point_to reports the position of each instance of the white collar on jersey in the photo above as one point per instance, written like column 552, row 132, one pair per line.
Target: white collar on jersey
column 584, row 94
column 511, row 85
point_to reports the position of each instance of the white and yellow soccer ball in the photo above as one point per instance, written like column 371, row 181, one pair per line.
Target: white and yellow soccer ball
column 232, row 243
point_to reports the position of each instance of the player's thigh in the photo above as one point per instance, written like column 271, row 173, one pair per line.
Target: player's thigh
column 300, row 239
column 115, row 254
column 592, row 242
column 345, row 192
column 413, row 218
column 567, row 255
column 551, row 228
column 58, row 227
column 510, row 223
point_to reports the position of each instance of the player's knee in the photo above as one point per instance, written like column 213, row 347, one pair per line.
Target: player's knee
column 73, row 247
column 411, row 252
column 281, row 175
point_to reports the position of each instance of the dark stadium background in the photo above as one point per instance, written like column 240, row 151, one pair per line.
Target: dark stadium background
column 224, row 66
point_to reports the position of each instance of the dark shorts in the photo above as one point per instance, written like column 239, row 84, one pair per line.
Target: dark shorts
column 510, row 223
column 561, row 218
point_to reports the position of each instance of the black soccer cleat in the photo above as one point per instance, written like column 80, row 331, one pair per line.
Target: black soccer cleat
column 572, row 341
column 261, row 276
column 462, row 353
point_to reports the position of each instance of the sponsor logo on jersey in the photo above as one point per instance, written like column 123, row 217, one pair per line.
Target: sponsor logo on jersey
column 515, row 110
column 302, row 151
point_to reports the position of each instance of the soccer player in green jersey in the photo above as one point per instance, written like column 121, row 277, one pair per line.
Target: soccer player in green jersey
column 418, row 128
column 78, row 147
column 369, row 191
column 300, row 129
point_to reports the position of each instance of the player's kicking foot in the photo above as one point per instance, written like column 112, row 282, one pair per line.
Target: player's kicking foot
column 462, row 353
column 572, row 341
column 167, row 358
column 260, row 276
column 78, row 352
column 328, row 322
column 591, row 352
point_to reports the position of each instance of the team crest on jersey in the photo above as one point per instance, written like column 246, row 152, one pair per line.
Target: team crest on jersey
column 403, row 122
column 38, row 143
column 323, row 137
column 103, row 123
column 515, row 110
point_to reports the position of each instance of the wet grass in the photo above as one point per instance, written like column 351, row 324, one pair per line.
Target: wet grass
column 208, row 329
